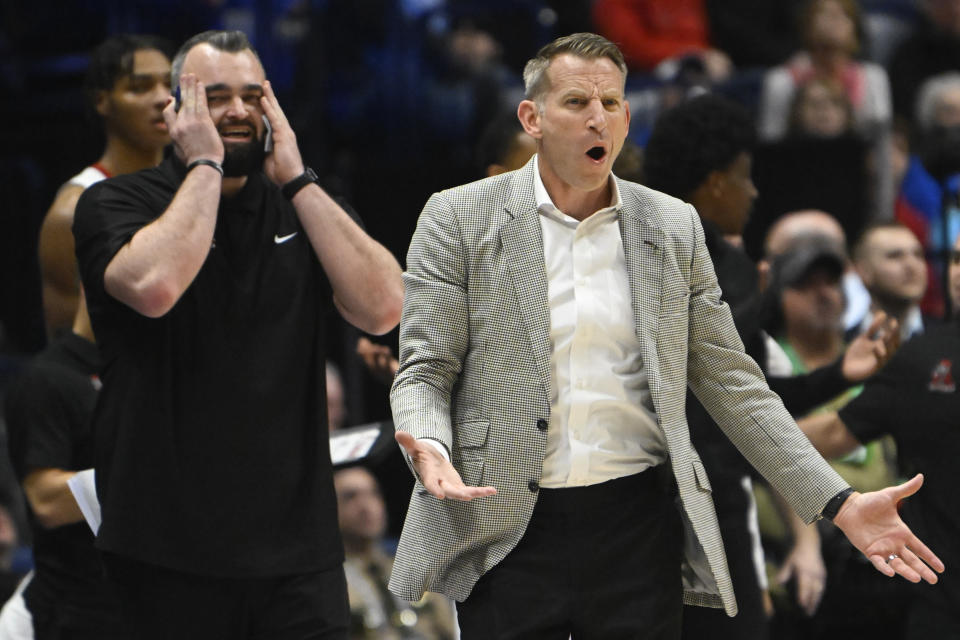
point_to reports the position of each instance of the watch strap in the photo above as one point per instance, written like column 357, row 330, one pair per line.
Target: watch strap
column 294, row 186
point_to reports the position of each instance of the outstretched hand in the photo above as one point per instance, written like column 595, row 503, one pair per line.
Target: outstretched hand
column 871, row 349
column 871, row 522
column 436, row 473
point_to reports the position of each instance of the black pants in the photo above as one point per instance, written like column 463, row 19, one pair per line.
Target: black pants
column 162, row 604
column 599, row 563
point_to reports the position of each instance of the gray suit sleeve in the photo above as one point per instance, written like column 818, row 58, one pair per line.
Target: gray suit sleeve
column 434, row 327
column 732, row 388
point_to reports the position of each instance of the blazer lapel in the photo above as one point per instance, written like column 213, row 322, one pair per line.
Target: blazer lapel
column 522, row 241
column 643, row 246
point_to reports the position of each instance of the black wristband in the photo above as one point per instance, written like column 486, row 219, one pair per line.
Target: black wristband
column 293, row 187
column 204, row 161
column 833, row 507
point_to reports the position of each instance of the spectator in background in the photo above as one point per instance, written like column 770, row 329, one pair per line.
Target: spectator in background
column 932, row 49
column 914, row 398
column 49, row 411
column 127, row 84
column 890, row 261
column 832, row 36
column 804, row 315
column 652, row 33
column 820, row 109
column 700, row 151
column 375, row 613
column 791, row 227
column 503, row 146
column 927, row 202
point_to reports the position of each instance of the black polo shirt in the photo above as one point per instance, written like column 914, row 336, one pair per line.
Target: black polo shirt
column 916, row 399
column 48, row 410
column 212, row 450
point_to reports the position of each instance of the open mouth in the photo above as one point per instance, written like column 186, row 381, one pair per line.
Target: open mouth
column 597, row 153
column 237, row 133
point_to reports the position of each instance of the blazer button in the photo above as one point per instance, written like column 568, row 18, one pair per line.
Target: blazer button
column 533, row 486
column 542, row 424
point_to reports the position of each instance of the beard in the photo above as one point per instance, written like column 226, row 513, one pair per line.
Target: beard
column 243, row 159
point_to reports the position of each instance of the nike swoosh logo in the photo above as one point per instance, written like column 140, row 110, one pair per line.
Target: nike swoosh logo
column 281, row 239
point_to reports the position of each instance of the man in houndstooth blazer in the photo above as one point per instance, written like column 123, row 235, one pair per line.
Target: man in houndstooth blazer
column 473, row 397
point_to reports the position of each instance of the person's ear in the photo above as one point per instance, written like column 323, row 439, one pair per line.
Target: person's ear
column 529, row 114
column 102, row 103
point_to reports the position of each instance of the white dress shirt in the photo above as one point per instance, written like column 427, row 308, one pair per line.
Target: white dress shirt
column 602, row 423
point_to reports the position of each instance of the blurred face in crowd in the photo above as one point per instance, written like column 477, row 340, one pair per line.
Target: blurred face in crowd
column 814, row 304
column 133, row 108
column 822, row 111
column 954, row 277
column 831, row 27
column 947, row 113
column 734, row 195
column 892, row 266
column 234, row 86
column 361, row 511
column 580, row 123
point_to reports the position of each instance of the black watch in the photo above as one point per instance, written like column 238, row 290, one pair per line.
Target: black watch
column 293, row 187
column 833, row 507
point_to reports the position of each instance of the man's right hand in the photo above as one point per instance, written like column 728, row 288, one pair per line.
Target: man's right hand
column 192, row 130
column 436, row 473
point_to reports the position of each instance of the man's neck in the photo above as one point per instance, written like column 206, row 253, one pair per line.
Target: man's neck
column 121, row 157
column 232, row 186
column 574, row 202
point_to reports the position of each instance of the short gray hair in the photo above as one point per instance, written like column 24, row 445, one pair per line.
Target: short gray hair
column 583, row 45
column 230, row 41
column 929, row 96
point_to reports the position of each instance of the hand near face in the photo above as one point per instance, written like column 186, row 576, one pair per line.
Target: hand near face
column 284, row 163
column 437, row 474
column 871, row 349
column 191, row 128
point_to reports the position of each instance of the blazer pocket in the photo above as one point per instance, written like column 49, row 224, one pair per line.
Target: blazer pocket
column 701, row 473
column 470, row 470
column 470, row 434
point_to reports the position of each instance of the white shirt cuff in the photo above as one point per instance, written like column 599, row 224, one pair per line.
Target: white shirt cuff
column 436, row 444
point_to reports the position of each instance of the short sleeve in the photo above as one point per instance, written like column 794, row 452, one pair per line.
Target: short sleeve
column 41, row 409
column 108, row 214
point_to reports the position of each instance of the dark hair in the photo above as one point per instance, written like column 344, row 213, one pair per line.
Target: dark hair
column 583, row 45
column 497, row 140
column 693, row 139
column 860, row 246
column 113, row 59
column 229, row 41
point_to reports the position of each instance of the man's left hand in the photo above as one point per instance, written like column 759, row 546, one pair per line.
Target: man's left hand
column 283, row 163
column 871, row 522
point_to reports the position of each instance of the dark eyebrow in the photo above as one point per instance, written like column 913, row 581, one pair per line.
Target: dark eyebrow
column 220, row 86
column 217, row 87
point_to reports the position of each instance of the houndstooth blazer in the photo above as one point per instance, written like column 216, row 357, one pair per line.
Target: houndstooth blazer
column 475, row 375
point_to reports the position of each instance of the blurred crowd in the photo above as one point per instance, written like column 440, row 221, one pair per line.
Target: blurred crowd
column 836, row 138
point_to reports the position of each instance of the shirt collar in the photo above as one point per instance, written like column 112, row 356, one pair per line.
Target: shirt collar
column 545, row 204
